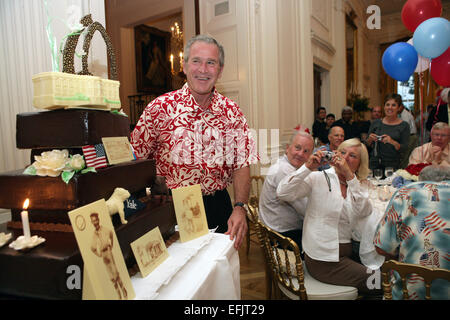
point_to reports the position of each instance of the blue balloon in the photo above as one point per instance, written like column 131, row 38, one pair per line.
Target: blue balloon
column 400, row 60
column 432, row 37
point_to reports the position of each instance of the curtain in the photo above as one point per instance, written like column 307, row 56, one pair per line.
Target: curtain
column 387, row 84
column 428, row 88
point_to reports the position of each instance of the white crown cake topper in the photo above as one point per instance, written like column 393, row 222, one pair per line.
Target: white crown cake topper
column 56, row 90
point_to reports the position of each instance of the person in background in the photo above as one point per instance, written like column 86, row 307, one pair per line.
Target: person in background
column 440, row 112
column 376, row 113
column 437, row 151
column 389, row 136
column 191, row 133
column 421, row 120
column 286, row 217
column 329, row 120
column 406, row 115
column 327, row 228
column 415, row 229
column 346, row 123
column 335, row 138
column 319, row 132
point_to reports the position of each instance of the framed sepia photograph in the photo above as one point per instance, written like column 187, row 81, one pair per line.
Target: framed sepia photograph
column 105, row 272
column 152, row 60
column 190, row 212
column 150, row 251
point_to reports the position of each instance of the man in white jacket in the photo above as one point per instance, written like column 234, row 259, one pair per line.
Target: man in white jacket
column 286, row 217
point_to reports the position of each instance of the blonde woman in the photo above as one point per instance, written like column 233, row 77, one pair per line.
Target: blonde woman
column 335, row 200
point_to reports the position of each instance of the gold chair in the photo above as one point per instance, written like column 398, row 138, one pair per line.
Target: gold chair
column 256, row 183
column 405, row 269
column 254, row 218
column 289, row 273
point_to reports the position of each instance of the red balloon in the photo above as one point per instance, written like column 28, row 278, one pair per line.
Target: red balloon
column 414, row 12
column 440, row 69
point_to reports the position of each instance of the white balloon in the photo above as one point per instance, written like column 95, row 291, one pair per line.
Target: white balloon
column 423, row 63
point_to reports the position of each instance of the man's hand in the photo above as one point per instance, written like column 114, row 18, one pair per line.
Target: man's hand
column 437, row 151
column 237, row 226
column 314, row 160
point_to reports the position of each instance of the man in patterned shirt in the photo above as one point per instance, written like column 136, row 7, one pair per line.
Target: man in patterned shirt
column 416, row 229
column 198, row 136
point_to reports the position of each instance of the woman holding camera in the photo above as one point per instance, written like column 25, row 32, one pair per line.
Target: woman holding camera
column 335, row 201
column 388, row 137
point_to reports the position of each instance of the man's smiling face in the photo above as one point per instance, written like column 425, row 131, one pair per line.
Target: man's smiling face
column 202, row 69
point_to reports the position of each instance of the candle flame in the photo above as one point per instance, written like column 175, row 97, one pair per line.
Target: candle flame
column 26, row 203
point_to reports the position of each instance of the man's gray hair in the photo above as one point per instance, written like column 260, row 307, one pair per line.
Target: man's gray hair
column 435, row 173
column 347, row 108
column 302, row 134
column 206, row 39
column 439, row 126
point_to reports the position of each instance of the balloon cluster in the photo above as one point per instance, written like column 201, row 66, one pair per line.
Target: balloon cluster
column 428, row 48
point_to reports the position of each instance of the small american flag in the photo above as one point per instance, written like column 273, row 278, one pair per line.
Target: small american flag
column 95, row 156
column 433, row 223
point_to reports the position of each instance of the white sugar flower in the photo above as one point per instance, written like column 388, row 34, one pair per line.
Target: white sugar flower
column 51, row 163
column 76, row 162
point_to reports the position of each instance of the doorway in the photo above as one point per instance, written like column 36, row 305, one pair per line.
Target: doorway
column 317, row 87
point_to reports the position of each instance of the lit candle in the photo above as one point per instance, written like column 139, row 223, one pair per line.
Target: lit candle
column 181, row 61
column 171, row 62
column 25, row 222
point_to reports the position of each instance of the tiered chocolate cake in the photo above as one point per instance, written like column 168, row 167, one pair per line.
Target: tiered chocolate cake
column 43, row 271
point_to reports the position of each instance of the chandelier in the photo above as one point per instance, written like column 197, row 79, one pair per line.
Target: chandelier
column 176, row 47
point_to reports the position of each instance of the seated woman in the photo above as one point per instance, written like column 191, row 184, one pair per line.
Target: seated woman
column 388, row 137
column 335, row 200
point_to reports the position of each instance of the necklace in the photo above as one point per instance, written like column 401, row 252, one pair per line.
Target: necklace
column 344, row 183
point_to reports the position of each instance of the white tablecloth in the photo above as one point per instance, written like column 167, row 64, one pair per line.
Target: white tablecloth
column 365, row 230
column 203, row 268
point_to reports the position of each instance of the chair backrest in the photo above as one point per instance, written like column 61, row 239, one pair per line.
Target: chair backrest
column 256, row 183
column 283, row 259
column 405, row 269
column 253, row 210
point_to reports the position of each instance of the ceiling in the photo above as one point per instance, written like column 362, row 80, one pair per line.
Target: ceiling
column 391, row 6
column 387, row 6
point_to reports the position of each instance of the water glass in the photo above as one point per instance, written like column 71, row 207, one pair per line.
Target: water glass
column 378, row 174
column 388, row 171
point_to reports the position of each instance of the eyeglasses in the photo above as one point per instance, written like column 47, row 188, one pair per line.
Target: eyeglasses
column 439, row 135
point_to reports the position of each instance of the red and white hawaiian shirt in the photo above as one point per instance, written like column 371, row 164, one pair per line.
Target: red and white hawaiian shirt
column 191, row 145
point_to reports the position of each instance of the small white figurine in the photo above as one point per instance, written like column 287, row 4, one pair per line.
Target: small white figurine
column 4, row 238
column 115, row 203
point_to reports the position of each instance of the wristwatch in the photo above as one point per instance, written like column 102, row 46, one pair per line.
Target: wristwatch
column 240, row 204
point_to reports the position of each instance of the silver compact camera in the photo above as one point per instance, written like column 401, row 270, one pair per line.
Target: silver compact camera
column 379, row 138
column 327, row 155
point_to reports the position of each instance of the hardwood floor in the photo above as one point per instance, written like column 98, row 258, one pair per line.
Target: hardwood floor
column 253, row 282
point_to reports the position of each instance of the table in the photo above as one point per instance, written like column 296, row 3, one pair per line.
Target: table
column 364, row 232
column 367, row 253
column 206, row 268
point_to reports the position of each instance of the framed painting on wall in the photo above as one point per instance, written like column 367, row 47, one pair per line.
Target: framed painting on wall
column 152, row 47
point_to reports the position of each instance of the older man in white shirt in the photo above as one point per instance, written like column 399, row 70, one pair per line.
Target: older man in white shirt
column 282, row 216
column 437, row 151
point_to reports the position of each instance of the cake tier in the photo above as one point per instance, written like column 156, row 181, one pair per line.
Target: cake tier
column 52, row 193
column 42, row 272
column 68, row 128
